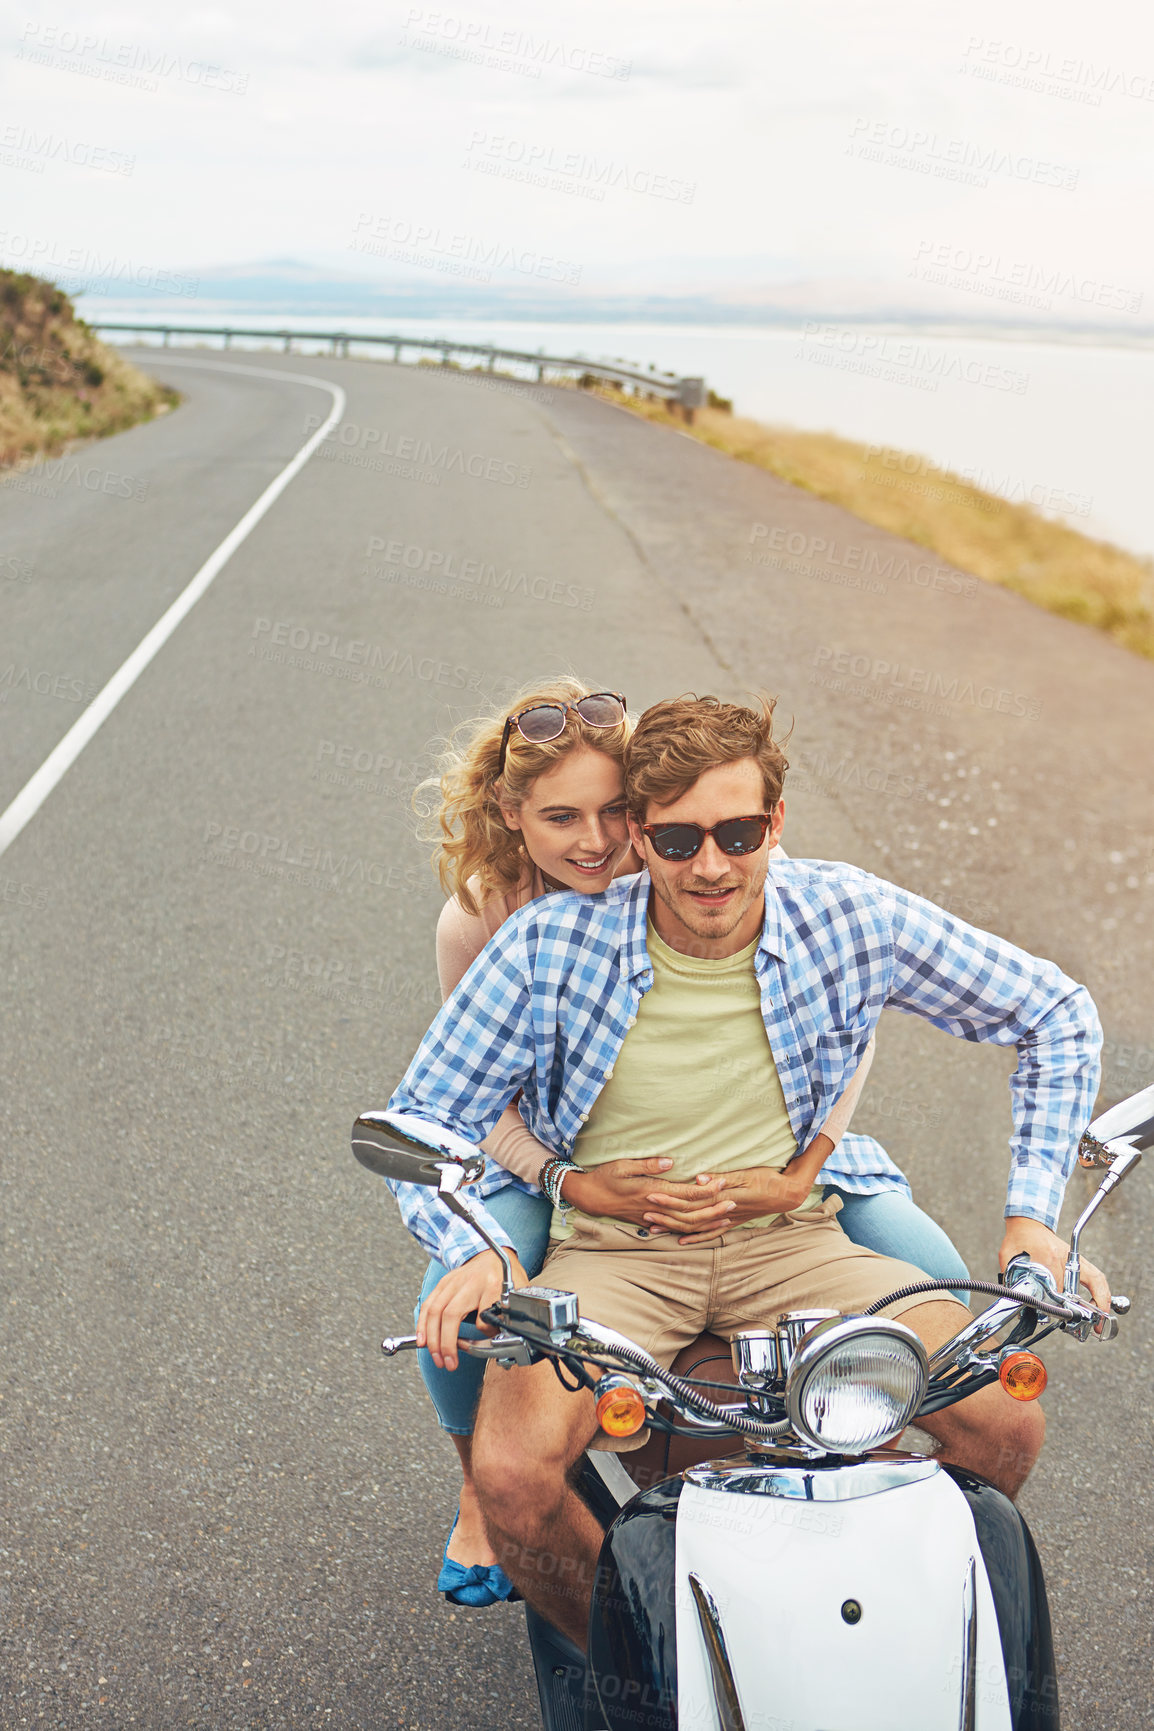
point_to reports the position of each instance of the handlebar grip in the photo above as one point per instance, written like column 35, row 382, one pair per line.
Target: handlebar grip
column 394, row 1343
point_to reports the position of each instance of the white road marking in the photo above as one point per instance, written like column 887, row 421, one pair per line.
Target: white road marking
column 59, row 761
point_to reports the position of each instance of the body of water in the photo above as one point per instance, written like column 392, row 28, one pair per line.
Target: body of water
column 1058, row 425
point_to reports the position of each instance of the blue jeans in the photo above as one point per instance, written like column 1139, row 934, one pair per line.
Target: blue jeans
column 891, row 1223
column 888, row 1222
column 455, row 1393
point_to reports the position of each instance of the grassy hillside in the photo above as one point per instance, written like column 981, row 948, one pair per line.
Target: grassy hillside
column 1000, row 540
column 58, row 383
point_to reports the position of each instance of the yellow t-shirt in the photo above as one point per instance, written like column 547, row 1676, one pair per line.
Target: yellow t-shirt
column 695, row 1079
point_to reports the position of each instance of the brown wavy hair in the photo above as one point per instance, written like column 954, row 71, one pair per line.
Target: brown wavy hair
column 460, row 804
column 676, row 741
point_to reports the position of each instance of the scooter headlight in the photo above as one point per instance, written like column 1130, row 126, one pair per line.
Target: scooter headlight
column 855, row 1382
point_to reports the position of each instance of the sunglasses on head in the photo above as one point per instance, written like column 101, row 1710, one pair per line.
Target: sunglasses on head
column 734, row 835
column 542, row 722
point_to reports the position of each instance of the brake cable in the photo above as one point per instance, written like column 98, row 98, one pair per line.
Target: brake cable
column 996, row 1291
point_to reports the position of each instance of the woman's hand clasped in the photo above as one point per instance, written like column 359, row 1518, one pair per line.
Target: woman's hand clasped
column 699, row 1211
column 703, row 1210
column 620, row 1189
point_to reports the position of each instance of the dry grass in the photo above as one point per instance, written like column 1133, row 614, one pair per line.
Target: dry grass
column 1007, row 543
column 58, row 383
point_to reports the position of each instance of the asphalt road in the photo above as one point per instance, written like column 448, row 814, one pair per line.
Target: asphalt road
column 219, row 1506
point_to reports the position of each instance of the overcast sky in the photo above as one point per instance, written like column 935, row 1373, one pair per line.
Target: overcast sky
column 680, row 143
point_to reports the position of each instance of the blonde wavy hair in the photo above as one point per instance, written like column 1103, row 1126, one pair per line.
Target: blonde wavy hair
column 460, row 804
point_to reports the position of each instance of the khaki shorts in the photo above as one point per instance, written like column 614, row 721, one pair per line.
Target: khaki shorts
column 663, row 1295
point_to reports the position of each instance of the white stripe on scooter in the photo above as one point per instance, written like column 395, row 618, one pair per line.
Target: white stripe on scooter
column 59, row 761
column 779, row 1571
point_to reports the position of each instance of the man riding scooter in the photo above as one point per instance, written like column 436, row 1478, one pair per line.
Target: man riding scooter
column 614, row 1016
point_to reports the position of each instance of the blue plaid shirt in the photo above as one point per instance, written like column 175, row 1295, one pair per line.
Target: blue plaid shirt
column 547, row 1004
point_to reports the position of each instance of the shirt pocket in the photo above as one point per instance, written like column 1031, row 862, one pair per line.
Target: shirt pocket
column 837, row 1055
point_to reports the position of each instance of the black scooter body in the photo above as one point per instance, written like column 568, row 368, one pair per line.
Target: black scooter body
column 630, row 1678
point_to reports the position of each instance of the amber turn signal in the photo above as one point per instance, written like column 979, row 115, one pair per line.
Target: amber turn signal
column 1023, row 1375
column 620, row 1409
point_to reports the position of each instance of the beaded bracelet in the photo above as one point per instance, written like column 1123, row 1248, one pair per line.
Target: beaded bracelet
column 552, row 1175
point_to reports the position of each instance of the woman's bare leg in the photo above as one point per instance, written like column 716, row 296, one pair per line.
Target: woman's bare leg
column 469, row 1544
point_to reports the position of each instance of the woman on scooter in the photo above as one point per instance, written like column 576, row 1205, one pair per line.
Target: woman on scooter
column 528, row 803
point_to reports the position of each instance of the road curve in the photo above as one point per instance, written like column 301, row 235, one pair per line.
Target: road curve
column 219, row 1507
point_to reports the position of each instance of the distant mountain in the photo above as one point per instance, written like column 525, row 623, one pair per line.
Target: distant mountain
column 287, row 287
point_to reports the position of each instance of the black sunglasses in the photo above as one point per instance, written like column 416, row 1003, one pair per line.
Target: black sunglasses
column 542, row 722
column 734, row 835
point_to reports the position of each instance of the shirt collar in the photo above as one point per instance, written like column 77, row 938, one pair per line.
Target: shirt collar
column 773, row 931
column 635, row 955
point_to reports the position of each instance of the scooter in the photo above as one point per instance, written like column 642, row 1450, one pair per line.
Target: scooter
column 817, row 1579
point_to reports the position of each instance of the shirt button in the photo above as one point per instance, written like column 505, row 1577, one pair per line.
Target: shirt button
column 631, row 1021
column 643, row 1232
column 609, row 1072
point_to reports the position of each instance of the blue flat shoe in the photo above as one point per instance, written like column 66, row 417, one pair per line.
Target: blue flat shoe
column 475, row 1586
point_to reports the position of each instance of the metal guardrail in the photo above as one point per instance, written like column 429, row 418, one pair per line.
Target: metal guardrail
column 690, row 393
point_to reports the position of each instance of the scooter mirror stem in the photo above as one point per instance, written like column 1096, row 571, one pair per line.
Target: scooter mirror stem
column 452, row 1177
column 1123, row 1160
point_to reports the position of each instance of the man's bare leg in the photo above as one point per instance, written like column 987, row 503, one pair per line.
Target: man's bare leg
column 528, row 1434
column 989, row 1432
column 530, row 1431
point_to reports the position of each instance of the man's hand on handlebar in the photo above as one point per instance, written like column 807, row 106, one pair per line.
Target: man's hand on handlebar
column 473, row 1286
column 1046, row 1247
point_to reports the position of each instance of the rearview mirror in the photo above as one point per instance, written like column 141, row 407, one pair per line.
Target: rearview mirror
column 413, row 1150
column 1130, row 1122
